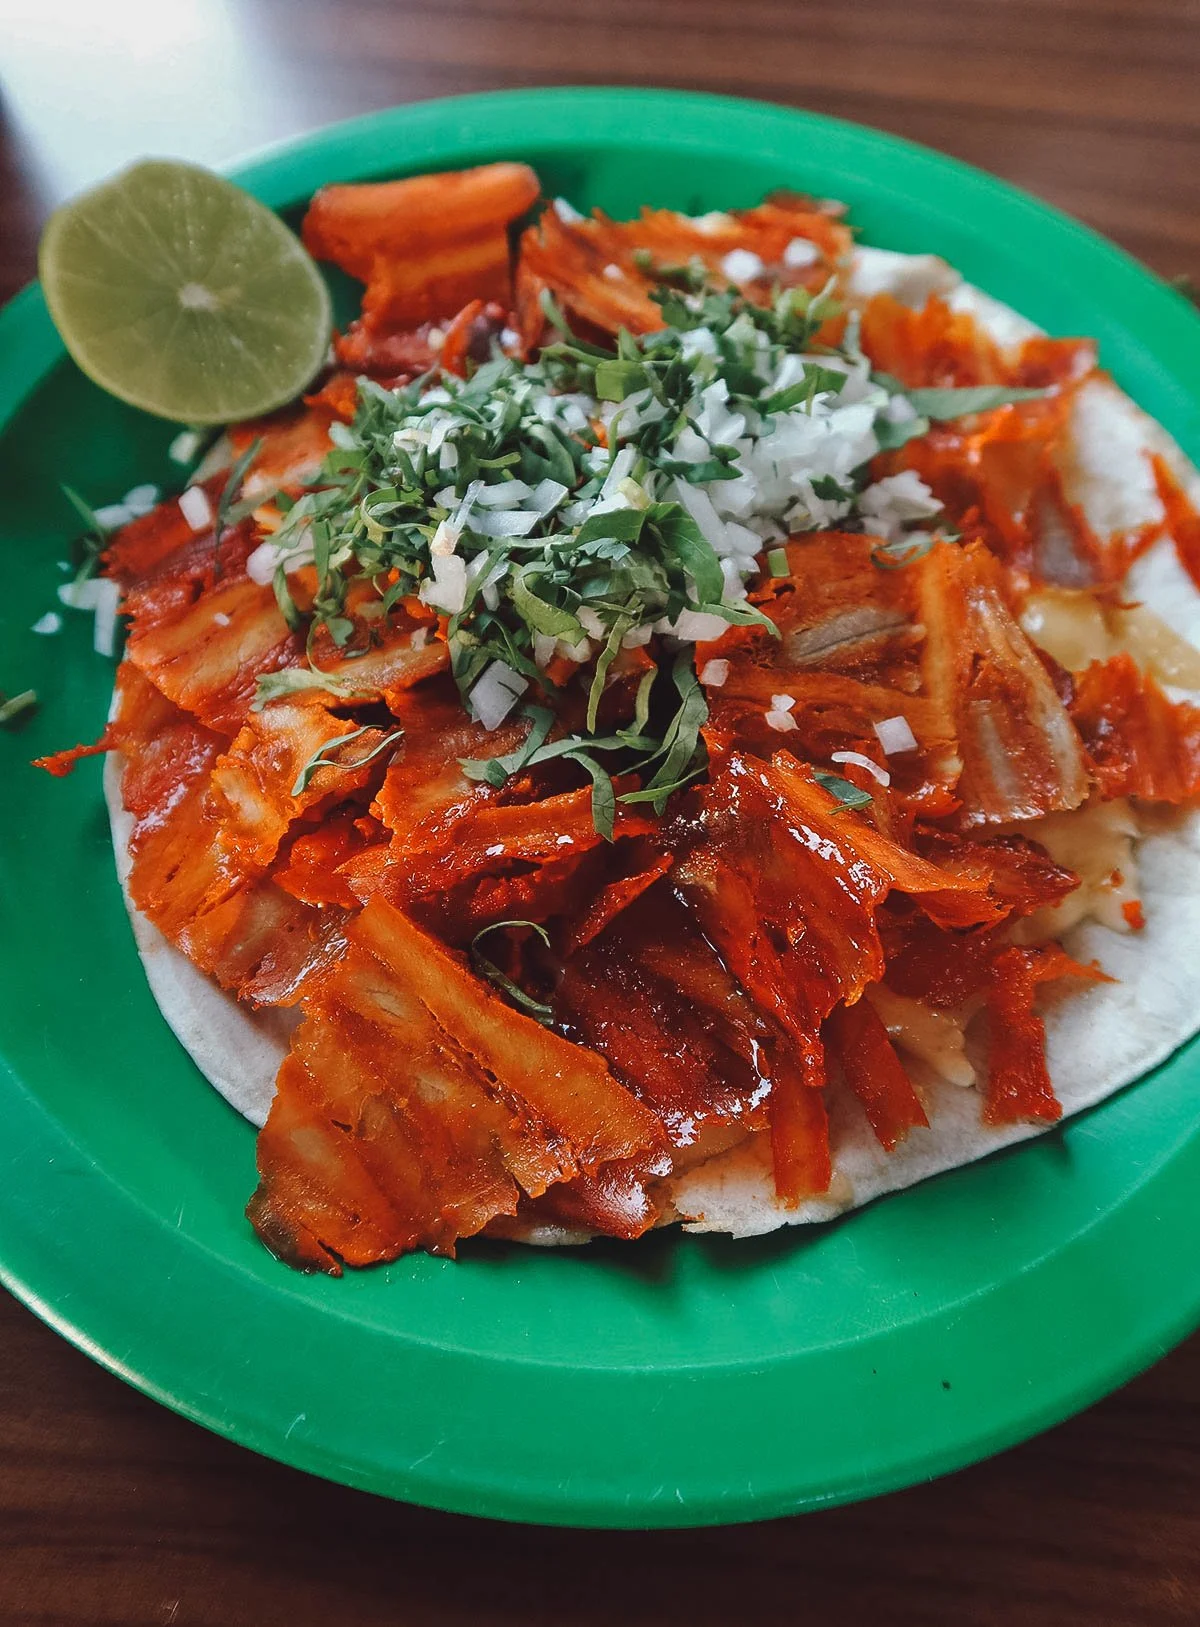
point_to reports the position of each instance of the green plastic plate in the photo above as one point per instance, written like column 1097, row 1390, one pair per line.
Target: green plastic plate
column 678, row 1381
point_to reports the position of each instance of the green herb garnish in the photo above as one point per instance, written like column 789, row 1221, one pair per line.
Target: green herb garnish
column 294, row 680
column 895, row 555
column 17, row 706
column 572, row 505
column 940, row 405
column 91, row 544
column 500, row 980
column 228, row 510
column 320, row 760
column 850, row 796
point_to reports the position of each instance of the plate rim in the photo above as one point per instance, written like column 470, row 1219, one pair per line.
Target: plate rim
column 30, row 1263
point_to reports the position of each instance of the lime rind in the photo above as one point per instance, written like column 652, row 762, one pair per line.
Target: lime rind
column 182, row 295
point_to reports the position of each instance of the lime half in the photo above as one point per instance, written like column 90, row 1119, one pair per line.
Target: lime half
column 178, row 292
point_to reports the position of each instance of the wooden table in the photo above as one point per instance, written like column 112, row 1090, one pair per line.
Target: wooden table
column 113, row 1510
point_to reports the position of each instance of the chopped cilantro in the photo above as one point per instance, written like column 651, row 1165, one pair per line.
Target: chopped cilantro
column 487, row 968
column 17, row 706
column 320, row 760
column 574, row 504
column 850, row 796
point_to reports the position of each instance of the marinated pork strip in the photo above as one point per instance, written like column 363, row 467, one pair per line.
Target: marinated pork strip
column 651, row 996
column 787, row 883
column 1020, row 875
column 492, row 861
column 566, row 1085
column 636, row 867
column 621, row 1199
column 1018, row 1082
column 1020, row 752
column 416, row 1106
column 208, row 656
column 163, row 550
column 949, row 897
column 425, row 782
column 1139, row 743
column 1182, row 520
column 846, row 656
column 801, row 1159
column 602, row 272
column 835, row 712
column 383, row 1137
column 264, row 782
column 859, row 1042
column 935, row 345
column 836, row 609
column 241, row 929
column 426, row 247
column 204, row 634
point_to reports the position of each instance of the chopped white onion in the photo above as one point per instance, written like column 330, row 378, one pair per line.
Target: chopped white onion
column 221, row 619
column 504, row 494
column 741, row 265
column 856, row 757
column 495, row 694
column 104, row 630
column 260, row 565
column 514, row 522
column 891, row 503
column 546, row 496
column 418, row 638
column 782, row 703
column 567, row 212
column 781, row 722
column 140, row 499
column 609, row 497
column 51, row 622
column 895, row 735
column 463, row 512
column 613, row 272
column 444, row 540
column 714, row 673
column 699, row 505
column 489, row 588
column 263, row 562
column 544, row 647
column 579, row 653
column 113, row 515
column 799, row 253
column 698, row 342
column 900, row 410
column 196, row 508
column 184, row 447
column 448, row 589
column 84, row 595
column 694, row 626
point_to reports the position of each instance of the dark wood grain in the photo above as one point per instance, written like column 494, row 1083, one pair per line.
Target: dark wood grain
column 114, row 1511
